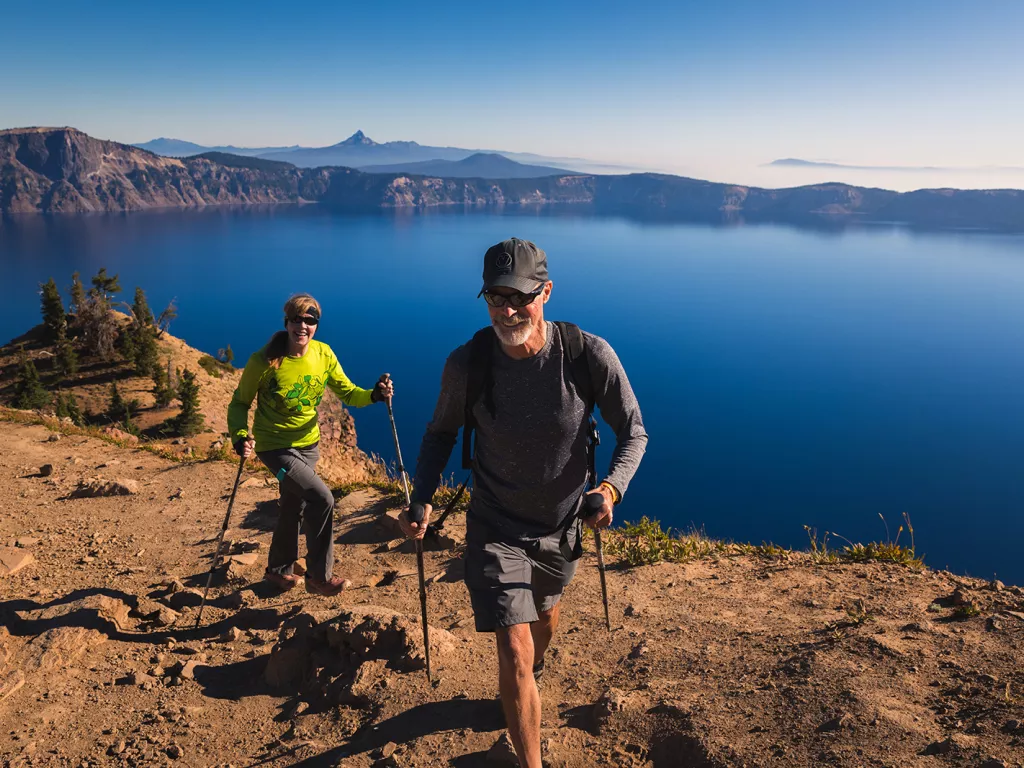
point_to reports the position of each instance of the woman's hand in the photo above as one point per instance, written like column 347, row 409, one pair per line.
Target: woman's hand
column 384, row 389
column 244, row 447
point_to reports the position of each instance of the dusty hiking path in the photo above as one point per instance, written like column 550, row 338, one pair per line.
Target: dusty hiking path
column 727, row 662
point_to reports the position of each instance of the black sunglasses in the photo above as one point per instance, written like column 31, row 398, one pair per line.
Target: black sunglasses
column 307, row 319
column 517, row 299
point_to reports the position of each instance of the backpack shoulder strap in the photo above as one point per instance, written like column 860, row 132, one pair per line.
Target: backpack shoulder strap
column 574, row 348
column 479, row 383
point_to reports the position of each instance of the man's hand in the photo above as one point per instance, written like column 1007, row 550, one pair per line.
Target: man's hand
column 603, row 517
column 384, row 389
column 415, row 530
column 244, row 447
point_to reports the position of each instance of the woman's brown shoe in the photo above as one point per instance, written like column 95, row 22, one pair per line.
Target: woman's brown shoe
column 326, row 588
column 283, row 581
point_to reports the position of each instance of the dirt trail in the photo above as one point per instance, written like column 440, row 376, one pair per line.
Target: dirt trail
column 726, row 662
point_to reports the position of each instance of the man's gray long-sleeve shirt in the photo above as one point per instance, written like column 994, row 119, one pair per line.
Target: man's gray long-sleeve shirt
column 531, row 457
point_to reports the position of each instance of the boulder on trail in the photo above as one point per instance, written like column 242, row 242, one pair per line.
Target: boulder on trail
column 57, row 648
column 95, row 611
column 93, row 487
column 13, row 560
column 350, row 651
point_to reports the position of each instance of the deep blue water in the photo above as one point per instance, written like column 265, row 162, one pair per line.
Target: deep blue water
column 788, row 377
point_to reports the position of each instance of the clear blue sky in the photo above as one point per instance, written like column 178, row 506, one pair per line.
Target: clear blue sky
column 711, row 89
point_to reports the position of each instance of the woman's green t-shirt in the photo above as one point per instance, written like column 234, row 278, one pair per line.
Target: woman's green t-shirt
column 287, row 398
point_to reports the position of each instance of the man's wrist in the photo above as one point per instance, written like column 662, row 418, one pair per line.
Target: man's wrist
column 616, row 496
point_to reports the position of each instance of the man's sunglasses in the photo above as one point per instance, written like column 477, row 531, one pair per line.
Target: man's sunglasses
column 517, row 299
column 307, row 319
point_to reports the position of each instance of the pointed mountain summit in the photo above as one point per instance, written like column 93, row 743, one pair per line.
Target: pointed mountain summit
column 357, row 139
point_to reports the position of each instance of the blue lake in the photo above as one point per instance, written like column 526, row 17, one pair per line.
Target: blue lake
column 787, row 376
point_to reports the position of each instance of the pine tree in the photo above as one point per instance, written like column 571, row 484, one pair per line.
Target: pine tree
column 140, row 308
column 162, row 390
column 55, row 322
column 190, row 420
column 104, row 284
column 164, row 321
column 67, row 408
column 28, row 389
column 77, row 295
column 99, row 328
column 65, row 359
column 117, row 408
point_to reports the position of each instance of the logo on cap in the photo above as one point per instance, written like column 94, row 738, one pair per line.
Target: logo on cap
column 503, row 261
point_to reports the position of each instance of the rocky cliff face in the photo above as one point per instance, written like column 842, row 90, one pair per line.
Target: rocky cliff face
column 56, row 170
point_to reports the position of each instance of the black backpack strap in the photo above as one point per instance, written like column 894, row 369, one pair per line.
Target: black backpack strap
column 479, row 383
column 575, row 350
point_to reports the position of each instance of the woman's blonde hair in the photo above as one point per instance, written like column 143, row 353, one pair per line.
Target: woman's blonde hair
column 299, row 304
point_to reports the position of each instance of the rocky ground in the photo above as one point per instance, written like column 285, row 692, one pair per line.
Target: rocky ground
column 720, row 662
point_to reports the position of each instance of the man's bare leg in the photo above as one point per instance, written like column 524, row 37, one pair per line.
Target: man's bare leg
column 543, row 629
column 519, row 696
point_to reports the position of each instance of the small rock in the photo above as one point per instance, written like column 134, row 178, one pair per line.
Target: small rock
column 231, row 635
column 944, row 747
column 25, row 542
column 996, row 585
column 631, row 610
column 502, row 752
column 639, row 650
column 54, row 438
column 117, row 749
column 613, row 700
column 46, row 470
column 836, row 723
column 141, row 678
column 993, row 762
column 1011, row 726
column 987, row 679
column 174, row 752
column 178, row 441
column 96, row 487
column 386, row 751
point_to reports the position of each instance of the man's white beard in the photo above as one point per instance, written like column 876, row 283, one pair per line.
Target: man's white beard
column 514, row 336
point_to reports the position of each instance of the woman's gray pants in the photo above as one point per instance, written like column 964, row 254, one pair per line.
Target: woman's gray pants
column 305, row 499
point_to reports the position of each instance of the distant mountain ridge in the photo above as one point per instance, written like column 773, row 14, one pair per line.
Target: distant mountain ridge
column 359, row 151
column 482, row 165
column 54, row 170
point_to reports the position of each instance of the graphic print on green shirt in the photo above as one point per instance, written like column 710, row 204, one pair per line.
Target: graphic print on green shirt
column 307, row 391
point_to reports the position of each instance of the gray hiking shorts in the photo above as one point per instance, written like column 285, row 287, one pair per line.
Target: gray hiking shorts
column 510, row 582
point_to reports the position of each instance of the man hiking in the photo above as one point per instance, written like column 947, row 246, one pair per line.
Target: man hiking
column 287, row 378
column 525, row 387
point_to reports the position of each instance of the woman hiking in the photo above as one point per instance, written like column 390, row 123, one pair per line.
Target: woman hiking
column 287, row 378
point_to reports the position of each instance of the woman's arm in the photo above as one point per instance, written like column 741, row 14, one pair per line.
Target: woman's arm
column 245, row 392
column 349, row 393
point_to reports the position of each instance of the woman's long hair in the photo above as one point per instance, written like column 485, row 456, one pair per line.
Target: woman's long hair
column 277, row 347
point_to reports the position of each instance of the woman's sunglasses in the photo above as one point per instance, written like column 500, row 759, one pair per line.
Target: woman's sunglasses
column 307, row 319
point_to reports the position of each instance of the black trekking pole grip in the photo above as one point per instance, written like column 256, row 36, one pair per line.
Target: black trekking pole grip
column 594, row 503
column 417, row 512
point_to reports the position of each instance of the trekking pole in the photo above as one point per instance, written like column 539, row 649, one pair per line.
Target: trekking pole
column 220, row 542
column 416, row 514
column 594, row 503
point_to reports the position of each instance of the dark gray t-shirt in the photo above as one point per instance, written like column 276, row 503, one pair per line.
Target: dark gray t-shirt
column 531, row 457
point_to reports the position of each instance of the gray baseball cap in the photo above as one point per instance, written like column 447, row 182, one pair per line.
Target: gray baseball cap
column 515, row 263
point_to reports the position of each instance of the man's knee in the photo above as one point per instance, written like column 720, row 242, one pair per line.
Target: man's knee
column 515, row 648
